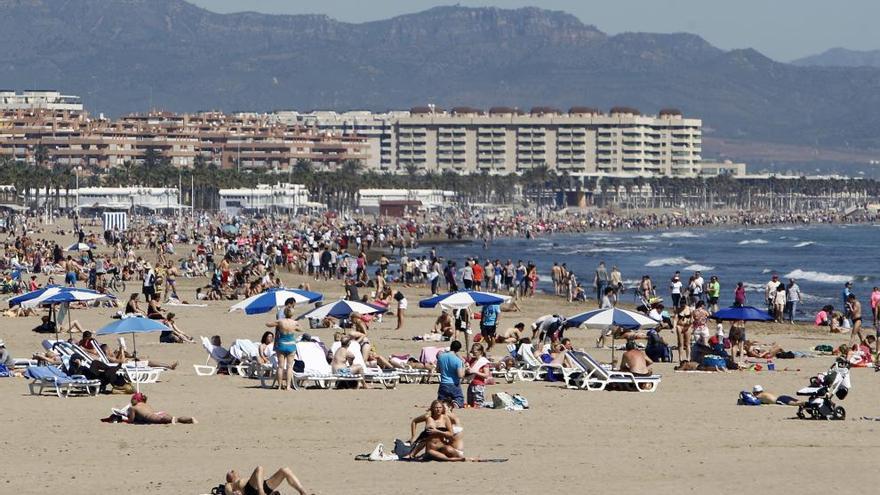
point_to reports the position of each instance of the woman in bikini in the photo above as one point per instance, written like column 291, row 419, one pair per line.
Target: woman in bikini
column 142, row 414
column 439, row 438
column 257, row 484
column 683, row 330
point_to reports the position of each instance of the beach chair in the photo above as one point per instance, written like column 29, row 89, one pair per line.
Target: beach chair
column 247, row 353
column 51, row 377
column 388, row 378
column 518, row 372
column 135, row 371
column 540, row 369
column 316, row 368
column 597, row 377
column 217, row 354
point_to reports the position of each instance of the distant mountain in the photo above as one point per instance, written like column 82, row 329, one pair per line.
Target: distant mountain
column 842, row 57
column 127, row 55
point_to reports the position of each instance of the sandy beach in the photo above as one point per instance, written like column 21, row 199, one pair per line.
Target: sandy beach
column 690, row 435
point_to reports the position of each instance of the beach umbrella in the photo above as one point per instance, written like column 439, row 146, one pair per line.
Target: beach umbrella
column 59, row 295
column 18, row 300
column 133, row 325
column 342, row 309
column 64, row 296
column 744, row 313
column 274, row 298
column 610, row 317
column 463, row 299
column 78, row 246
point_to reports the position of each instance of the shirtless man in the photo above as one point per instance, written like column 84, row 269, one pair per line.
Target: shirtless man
column 855, row 310
column 141, row 413
column 259, row 485
column 511, row 335
column 444, row 324
column 758, row 350
column 635, row 361
column 343, row 359
column 71, row 271
column 768, row 398
column 119, row 356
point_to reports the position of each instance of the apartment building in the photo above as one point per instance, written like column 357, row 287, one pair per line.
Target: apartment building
column 244, row 141
column 506, row 140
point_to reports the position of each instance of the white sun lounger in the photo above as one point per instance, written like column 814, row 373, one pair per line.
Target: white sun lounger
column 316, row 368
column 215, row 353
column 135, row 371
column 540, row 369
column 598, row 377
column 388, row 379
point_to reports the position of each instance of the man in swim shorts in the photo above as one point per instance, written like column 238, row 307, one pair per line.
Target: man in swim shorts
column 768, row 398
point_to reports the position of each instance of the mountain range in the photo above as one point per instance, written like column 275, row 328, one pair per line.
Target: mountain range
column 842, row 57
column 131, row 55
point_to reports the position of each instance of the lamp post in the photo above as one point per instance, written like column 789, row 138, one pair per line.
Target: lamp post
column 77, row 169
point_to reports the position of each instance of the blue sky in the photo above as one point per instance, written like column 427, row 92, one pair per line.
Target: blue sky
column 781, row 29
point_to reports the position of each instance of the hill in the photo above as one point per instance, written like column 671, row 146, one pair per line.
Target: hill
column 130, row 55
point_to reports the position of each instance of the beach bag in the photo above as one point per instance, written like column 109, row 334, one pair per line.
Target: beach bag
column 748, row 399
column 299, row 366
column 503, row 400
column 711, row 361
column 520, row 401
column 4, row 371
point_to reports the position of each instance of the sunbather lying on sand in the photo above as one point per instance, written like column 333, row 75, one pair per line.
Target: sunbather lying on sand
column 757, row 350
column 258, row 485
column 768, row 398
column 142, row 414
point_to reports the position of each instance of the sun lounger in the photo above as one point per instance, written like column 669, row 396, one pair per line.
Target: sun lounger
column 135, row 371
column 539, row 369
column 316, row 368
column 598, row 377
column 247, row 353
column 388, row 378
column 51, row 377
column 218, row 355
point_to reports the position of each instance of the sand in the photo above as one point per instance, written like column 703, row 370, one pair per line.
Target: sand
column 688, row 436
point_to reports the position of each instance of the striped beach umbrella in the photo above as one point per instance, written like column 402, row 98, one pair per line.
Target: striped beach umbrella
column 274, row 298
column 58, row 295
column 341, row 309
column 463, row 299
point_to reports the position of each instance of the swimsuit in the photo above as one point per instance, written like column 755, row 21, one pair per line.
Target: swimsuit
column 286, row 344
column 249, row 490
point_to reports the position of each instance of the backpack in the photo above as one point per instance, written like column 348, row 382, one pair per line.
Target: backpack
column 748, row 399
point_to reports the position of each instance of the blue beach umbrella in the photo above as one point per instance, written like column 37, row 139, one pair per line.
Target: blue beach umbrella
column 744, row 313
column 273, row 298
column 463, row 299
column 610, row 317
column 342, row 309
column 132, row 325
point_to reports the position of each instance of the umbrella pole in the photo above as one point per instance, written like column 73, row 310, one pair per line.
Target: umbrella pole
column 137, row 383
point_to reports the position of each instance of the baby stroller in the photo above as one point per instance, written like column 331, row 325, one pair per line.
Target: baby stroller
column 822, row 391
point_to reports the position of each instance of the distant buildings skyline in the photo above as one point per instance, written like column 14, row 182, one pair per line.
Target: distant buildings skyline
column 499, row 140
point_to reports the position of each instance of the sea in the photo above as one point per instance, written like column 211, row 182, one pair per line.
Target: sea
column 821, row 258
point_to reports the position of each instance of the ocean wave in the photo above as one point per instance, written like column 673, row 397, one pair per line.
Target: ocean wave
column 752, row 287
column 682, row 234
column 668, row 262
column 752, row 241
column 766, row 270
column 804, row 244
column 819, row 277
column 696, row 267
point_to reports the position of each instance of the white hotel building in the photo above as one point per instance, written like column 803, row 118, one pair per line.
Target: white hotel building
column 29, row 100
column 582, row 141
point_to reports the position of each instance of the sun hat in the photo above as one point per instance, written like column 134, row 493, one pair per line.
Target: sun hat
column 757, row 389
